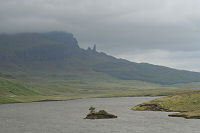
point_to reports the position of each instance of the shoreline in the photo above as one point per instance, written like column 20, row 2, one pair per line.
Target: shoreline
column 184, row 105
column 56, row 100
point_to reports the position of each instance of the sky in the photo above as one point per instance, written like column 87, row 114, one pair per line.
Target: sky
column 162, row 32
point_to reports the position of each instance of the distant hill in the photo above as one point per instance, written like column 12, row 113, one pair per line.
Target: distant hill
column 58, row 53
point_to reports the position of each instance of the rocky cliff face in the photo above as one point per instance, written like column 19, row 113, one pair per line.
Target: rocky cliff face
column 44, row 50
column 37, row 46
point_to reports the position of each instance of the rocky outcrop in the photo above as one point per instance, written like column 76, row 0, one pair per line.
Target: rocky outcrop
column 100, row 116
column 151, row 107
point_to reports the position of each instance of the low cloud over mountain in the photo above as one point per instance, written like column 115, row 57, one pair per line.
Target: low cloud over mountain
column 122, row 28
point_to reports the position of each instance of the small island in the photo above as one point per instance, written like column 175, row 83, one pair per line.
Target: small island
column 101, row 114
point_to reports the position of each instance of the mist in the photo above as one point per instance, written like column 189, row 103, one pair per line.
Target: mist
column 160, row 32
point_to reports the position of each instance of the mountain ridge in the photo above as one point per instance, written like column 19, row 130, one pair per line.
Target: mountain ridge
column 59, row 52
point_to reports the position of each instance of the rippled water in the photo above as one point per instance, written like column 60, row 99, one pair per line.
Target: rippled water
column 67, row 117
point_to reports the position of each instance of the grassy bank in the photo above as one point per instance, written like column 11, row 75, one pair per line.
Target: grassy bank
column 188, row 104
column 12, row 90
column 92, row 94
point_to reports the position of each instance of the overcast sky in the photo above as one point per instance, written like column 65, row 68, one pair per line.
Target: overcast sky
column 164, row 32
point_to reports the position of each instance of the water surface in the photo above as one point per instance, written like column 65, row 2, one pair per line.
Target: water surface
column 67, row 117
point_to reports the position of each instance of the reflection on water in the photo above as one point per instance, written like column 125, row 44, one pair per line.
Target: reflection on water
column 67, row 117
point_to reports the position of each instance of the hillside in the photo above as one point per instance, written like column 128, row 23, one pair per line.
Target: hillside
column 57, row 55
column 188, row 104
column 12, row 90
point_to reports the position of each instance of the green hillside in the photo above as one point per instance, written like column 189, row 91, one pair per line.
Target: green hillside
column 57, row 55
column 52, row 66
column 12, row 90
column 125, row 70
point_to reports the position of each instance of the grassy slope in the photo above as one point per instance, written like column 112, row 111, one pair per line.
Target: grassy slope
column 188, row 104
column 195, row 85
column 12, row 90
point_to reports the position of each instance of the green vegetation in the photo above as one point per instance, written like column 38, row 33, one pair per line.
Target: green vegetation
column 12, row 90
column 101, row 114
column 11, row 87
column 188, row 104
column 92, row 109
column 51, row 66
column 195, row 85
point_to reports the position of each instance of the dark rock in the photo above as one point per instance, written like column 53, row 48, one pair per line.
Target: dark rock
column 153, row 107
column 100, row 116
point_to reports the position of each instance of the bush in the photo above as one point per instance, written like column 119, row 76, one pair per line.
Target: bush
column 103, row 112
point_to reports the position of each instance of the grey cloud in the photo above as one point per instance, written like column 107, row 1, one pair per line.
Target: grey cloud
column 116, row 26
column 180, row 59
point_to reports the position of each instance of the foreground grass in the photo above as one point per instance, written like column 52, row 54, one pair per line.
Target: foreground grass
column 188, row 104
